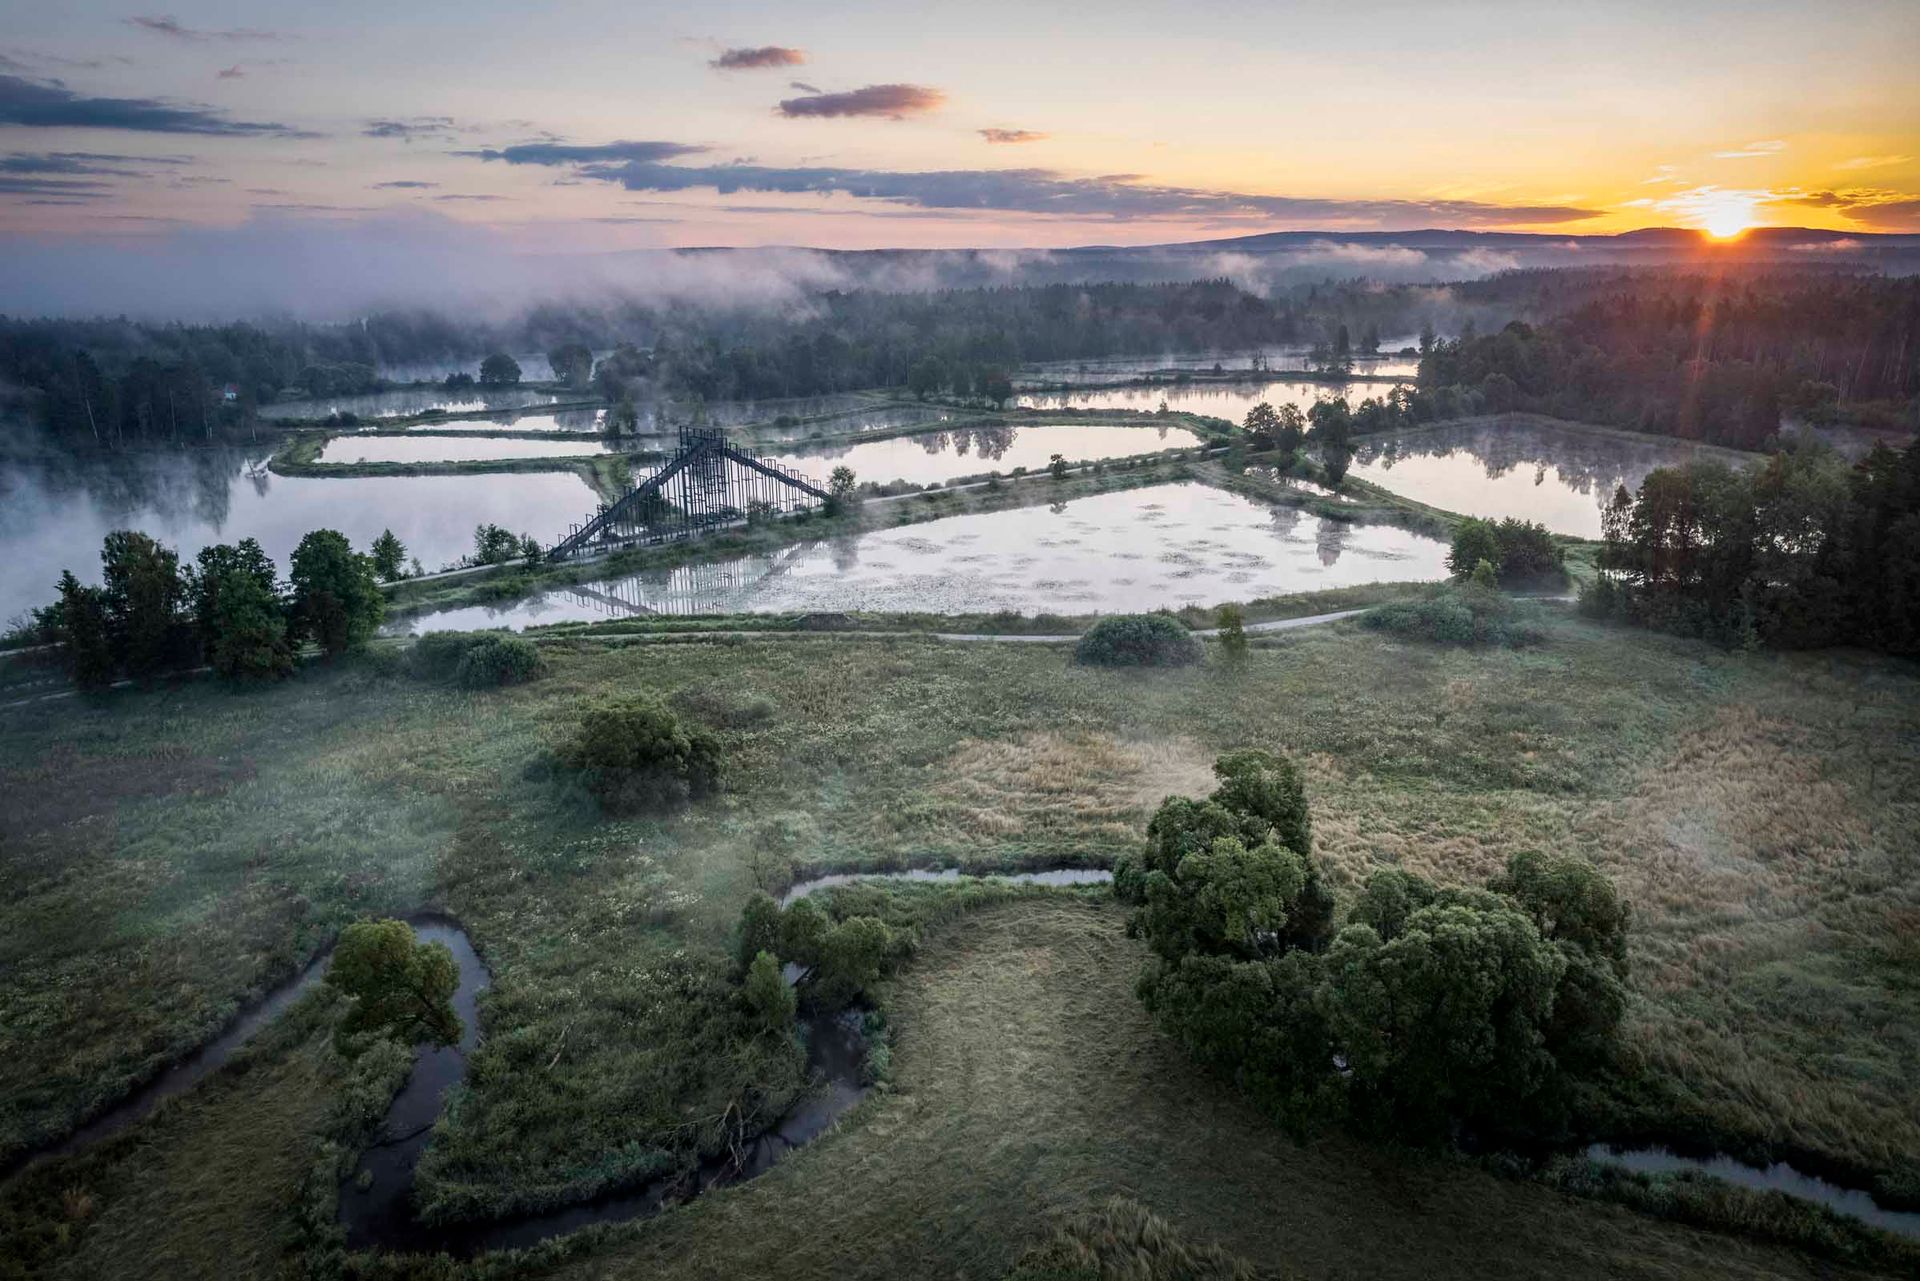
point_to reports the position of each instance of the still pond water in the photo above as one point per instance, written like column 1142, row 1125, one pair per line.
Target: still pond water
column 1230, row 401
column 440, row 449
column 53, row 514
column 1161, row 545
column 1558, row 476
column 932, row 458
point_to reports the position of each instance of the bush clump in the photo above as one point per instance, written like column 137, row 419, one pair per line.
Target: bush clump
column 497, row 661
column 1137, row 640
column 1520, row 551
column 1469, row 615
column 637, row 755
column 475, row 660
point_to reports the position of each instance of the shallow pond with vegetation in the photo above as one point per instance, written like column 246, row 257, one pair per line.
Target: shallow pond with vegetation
column 448, row 449
column 931, row 458
column 1226, row 400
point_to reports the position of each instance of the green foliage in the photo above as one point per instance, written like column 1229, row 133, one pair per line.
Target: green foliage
column 1473, row 615
column 770, row 1002
column 1057, row 466
column 637, row 755
column 401, row 988
column 851, row 956
column 389, row 557
column 82, row 618
column 144, row 597
column 495, row 545
column 843, row 490
column 760, row 930
column 336, row 601
column 1802, row 551
column 497, row 661
column 240, row 617
column 1519, row 551
column 1137, row 640
column 436, row 655
column 572, row 364
column 1233, row 632
column 1438, row 1005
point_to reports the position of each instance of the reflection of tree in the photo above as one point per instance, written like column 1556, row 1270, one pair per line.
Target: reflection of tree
column 846, row 552
column 577, row 419
column 1331, row 539
column 1585, row 462
column 1285, row 519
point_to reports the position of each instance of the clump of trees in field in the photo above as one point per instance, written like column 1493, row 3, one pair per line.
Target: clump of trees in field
column 1519, row 551
column 1137, row 640
column 839, row 961
column 1425, row 1009
column 638, row 755
column 227, row 609
column 1800, row 551
column 475, row 660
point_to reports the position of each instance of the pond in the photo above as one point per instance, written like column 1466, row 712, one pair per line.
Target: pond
column 560, row 420
column 54, row 512
column 1230, row 401
column 1162, row 545
column 1286, row 358
column 440, row 449
column 407, row 401
column 931, row 458
column 1560, row 475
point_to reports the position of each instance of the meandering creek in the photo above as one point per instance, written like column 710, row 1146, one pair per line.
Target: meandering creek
column 376, row 1202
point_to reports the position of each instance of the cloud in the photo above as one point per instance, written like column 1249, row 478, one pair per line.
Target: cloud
column 559, row 153
column 404, row 184
column 457, row 196
column 1013, row 135
column 408, row 130
column 1873, row 162
column 232, row 73
column 72, row 188
column 163, row 25
column 802, row 86
column 888, row 102
column 83, row 162
column 1040, row 191
column 1844, row 245
column 1893, row 215
column 1874, row 206
column 767, row 55
column 1767, row 147
column 17, row 59
column 38, row 104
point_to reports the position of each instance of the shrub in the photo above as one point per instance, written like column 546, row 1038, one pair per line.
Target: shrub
column 436, row 655
column 637, row 755
column 1137, row 640
column 400, row 987
column 1469, row 615
column 1233, row 631
column 1520, row 551
column 497, row 661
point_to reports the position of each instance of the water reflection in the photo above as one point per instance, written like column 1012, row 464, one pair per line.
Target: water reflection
column 416, row 400
column 935, row 457
column 1254, row 361
column 1162, row 545
column 1560, row 476
column 1230, row 401
column 54, row 511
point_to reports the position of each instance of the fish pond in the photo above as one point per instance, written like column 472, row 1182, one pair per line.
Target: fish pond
column 1162, row 545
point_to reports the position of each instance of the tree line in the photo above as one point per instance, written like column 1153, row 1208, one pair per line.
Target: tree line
column 227, row 609
column 1709, row 358
column 1801, row 551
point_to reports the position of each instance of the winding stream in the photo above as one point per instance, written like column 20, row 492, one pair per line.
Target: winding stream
column 375, row 1204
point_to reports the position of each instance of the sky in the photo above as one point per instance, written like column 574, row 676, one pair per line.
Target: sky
column 591, row 125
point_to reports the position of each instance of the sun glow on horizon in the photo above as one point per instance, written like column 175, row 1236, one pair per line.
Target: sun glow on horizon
column 1728, row 216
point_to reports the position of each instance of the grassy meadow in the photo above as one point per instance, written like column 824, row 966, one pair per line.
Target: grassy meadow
column 174, row 851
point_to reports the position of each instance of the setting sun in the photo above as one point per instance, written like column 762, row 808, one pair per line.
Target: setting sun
column 1727, row 217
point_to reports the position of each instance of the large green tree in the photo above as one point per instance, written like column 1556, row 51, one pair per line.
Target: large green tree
column 400, row 987
column 82, row 614
column 144, row 597
column 239, row 614
column 336, row 601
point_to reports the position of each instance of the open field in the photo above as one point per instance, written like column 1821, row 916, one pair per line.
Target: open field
column 178, row 849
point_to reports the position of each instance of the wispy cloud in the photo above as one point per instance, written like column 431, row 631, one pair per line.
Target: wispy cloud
column 801, row 86
column 1042, row 191
column 1873, row 206
column 69, row 188
column 560, row 153
column 405, row 184
column 235, row 72
column 174, row 29
column 451, row 196
column 436, row 127
column 766, row 55
column 1753, row 150
column 1013, row 135
column 51, row 105
column 887, row 102
column 85, row 162
column 1873, row 162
